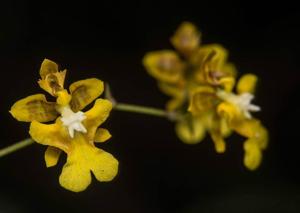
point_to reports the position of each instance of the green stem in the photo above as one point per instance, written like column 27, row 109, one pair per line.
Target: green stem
column 15, row 147
column 141, row 109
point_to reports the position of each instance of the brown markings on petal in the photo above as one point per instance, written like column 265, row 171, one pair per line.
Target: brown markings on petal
column 41, row 110
column 213, row 75
column 188, row 39
column 210, row 56
column 53, row 82
column 79, row 96
column 168, row 65
column 216, row 76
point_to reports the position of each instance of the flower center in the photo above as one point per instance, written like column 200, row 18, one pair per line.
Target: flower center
column 242, row 101
column 73, row 120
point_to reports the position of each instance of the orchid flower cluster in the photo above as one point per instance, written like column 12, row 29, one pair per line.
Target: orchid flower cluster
column 204, row 91
column 205, row 99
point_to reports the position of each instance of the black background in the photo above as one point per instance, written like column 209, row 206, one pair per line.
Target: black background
column 157, row 172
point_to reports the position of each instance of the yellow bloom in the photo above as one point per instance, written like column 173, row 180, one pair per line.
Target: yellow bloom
column 74, row 132
column 236, row 110
column 201, row 68
column 238, row 106
column 200, row 80
column 200, row 65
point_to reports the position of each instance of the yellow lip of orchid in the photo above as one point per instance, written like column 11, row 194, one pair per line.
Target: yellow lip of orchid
column 74, row 131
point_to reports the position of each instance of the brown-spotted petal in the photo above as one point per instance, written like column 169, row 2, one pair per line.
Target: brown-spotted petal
column 85, row 92
column 48, row 67
column 212, row 64
column 53, row 82
column 186, row 38
column 164, row 65
column 34, row 107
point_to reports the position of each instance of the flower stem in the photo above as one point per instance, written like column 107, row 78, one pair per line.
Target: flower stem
column 15, row 147
column 137, row 109
column 141, row 109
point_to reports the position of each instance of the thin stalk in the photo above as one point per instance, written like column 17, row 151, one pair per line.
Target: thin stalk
column 15, row 147
column 141, row 109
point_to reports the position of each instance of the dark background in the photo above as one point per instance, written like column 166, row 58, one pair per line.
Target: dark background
column 157, row 172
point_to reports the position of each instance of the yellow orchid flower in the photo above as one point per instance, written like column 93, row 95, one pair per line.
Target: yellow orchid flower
column 74, row 132
column 232, row 112
column 238, row 106
column 236, row 110
column 203, row 66
column 200, row 80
